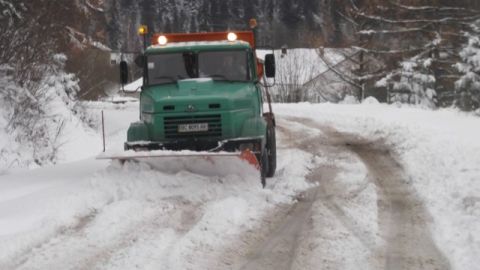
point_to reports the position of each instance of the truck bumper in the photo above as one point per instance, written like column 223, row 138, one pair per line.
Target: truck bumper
column 254, row 144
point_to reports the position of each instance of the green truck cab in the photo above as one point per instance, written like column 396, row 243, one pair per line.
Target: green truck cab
column 203, row 93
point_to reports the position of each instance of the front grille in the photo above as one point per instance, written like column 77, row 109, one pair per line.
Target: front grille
column 214, row 126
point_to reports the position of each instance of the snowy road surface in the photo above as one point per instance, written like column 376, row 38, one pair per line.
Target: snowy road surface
column 357, row 187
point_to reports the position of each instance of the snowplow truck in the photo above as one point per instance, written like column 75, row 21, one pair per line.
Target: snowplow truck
column 203, row 92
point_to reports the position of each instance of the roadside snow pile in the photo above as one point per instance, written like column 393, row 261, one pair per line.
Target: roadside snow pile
column 349, row 99
column 440, row 152
column 370, row 101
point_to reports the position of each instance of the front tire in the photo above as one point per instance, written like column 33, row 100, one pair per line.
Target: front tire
column 264, row 167
column 271, row 149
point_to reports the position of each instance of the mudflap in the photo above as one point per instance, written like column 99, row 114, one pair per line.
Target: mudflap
column 244, row 164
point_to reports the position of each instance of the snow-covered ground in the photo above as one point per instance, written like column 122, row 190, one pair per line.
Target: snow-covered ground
column 439, row 151
column 325, row 206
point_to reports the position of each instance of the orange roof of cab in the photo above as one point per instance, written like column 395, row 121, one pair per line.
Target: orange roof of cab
column 208, row 36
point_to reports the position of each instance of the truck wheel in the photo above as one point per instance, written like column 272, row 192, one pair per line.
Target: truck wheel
column 264, row 167
column 272, row 151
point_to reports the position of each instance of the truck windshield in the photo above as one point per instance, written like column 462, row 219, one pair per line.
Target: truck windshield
column 218, row 65
column 223, row 65
column 166, row 68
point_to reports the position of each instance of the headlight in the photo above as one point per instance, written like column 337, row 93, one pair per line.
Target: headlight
column 162, row 40
column 147, row 105
column 232, row 36
column 146, row 117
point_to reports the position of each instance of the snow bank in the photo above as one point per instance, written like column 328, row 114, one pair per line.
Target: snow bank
column 41, row 123
column 440, row 151
column 134, row 214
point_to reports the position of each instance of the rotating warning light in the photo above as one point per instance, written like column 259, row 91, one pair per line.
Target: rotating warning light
column 252, row 23
column 142, row 30
column 232, row 36
column 162, row 40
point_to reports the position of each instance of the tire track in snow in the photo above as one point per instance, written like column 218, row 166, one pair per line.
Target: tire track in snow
column 23, row 257
column 403, row 220
column 80, row 247
column 280, row 247
column 405, row 239
column 278, row 250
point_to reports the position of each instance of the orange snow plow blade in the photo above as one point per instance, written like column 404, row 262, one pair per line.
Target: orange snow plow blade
column 250, row 157
column 205, row 163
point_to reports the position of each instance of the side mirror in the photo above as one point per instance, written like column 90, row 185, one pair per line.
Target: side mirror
column 140, row 61
column 123, row 72
column 270, row 66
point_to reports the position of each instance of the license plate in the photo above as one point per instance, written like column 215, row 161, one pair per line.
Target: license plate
column 193, row 127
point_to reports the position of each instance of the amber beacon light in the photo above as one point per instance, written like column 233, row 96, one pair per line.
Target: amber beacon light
column 252, row 23
column 142, row 30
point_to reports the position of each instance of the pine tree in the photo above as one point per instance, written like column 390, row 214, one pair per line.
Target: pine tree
column 467, row 88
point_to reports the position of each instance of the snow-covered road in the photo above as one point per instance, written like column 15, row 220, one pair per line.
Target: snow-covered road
column 357, row 187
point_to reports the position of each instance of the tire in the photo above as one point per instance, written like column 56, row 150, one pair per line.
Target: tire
column 263, row 160
column 263, row 167
column 271, row 151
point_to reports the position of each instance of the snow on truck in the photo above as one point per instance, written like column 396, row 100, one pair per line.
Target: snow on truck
column 202, row 97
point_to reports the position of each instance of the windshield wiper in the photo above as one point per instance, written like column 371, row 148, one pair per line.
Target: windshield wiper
column 217, row 77
column 171, row 78
column 220, row 77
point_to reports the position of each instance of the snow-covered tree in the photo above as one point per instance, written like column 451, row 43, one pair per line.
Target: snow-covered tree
column 468, row 86
column 412, row 83
column 36, row 94
column 35, row 115
column 416, row 43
